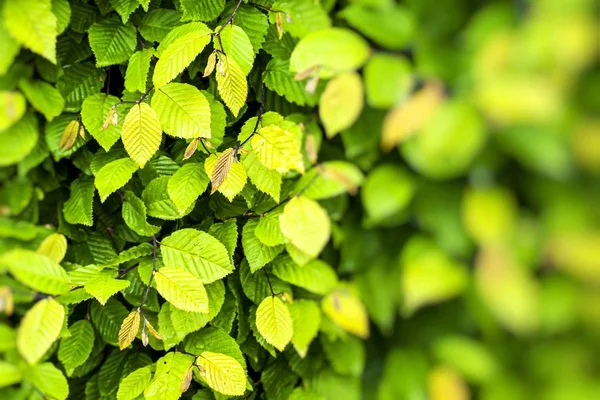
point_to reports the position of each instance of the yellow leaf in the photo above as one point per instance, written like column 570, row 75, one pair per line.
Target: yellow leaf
column 345, row 309
column 69, row 136
column 142, row 133
column 341, row 103
column 401, row 122
column 129, row 329
column 7, row 301
column 443, row 383
column 222, row 373
column 278, row 149
column 210, row 65
column 182, row 289
column 232, row 84
column 274, row 322
column 151, row 329
column 191, row 148
column 39, row 328
column 489, row 214
column 306, row 225
column 227, row 175
column 54, row 247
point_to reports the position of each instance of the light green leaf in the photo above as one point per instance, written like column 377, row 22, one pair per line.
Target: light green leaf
column 182, row 110
column 10, row 49
column 346, row 356
column 157, row 23
column 231, row 84
column 316, row 276
column 12, row 108
column 113, row 176
column 62, row 10
column 268, row 230
column 237, row 46
column 34, row 29
column 330, row 179
column 104, row 287
column 388, row 79
column 79, row 208
column 178, row 50
column 49, row 380
column 39, row 328
column 306, row 225
column 279, row 79
column 36, row 271
column 341, row 103
column 9, row 374
column 305, row 16
column 189, row 182
column 18, row 140
column 182, row 289
column 257, row 253
column 142, row 133
column 75, row 349
column 331, row 51
column 111, row 41
column 54, row 246
column 134, row 215
column 254, row 23
column 222, row 373
column 201, row 10
column 134, row 384
column 274, row 322
column 344, row 308
column 266, row 180
column 198, row 252
column 306, row 319
column 125, row 7
column 159, row 204
column 278, row 148
column 387, row 192
column 137, row 70
column 171, row 370
column 43, row 97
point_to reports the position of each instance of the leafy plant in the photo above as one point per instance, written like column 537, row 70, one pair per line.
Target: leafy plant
column 199, row 198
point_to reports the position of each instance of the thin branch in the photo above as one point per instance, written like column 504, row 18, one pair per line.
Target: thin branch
column 269, row 282
column 231, row 17
column 154, row 247
column 261, row 111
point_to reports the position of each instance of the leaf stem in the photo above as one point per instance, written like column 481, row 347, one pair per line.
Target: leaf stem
column 154, row 247
column 261, row 111
column 269, row 282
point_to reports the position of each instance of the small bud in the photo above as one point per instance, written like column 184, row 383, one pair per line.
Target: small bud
column 187, row 380
column 81, row 131
column 222, row 67
column 109, row 118
column 210, row 65
column 191, row 148
column 115, row 118
column 144, row 337
column 311, row 85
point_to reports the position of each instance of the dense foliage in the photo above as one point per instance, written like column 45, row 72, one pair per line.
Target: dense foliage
column 299, row 199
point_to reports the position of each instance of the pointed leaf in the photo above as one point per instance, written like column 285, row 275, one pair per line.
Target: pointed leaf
column 94, row 112
column 39, row 329
column 111, row 41
column 104, row 287
column 142, row 133
column 36, row 271
column 113, row 176
column 278, row 148
column 306, row 318
column 134, row 384
column 227, row 175
column 182, row 289
column 189, row 182
column 232, row 84
column 306, row 225
column 274, row 322
column 129, row 329
column 54, row 247
column 137, row 70
column 78, row 209
column 316, row 276
column 43, row 97
column 75, row 349
column 341, row 103
column 222, row 373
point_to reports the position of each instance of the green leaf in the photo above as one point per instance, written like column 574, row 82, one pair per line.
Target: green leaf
column 157, row 23
column 316, row 276
column 178, row 50
column 36, row 271
column 9, row 51
column 62, row 10
column 39, row 329
column 75, row 349
column 34, row 29
column 346, row 356
column 388, row 79
column 49, row 381
column 341, row 103
column 54, row 246
column 111, row 41
column 266, row 180
column 134, row 215
column 198, row 252
column 9, row 374
column 237, row 46
column 222, row 373
column 43, row 97
column 268, row 231
column 279, row 79
column 171, row 370
column 254, row 23
column 104, row 287
column 134, row 384
column 330, row 179
column 189, row 182
column 137, row 70
column 78, row 209
column 305, row 16
column 387, row 192
column 227, row 233
column 257, row 253
column 392, row 26
column 214, row 340
column 182, row 289
column 12, row 106
column 113, row 176
column 278, row 148
column 183, row 111
column 306, row 225
column 331, row 51
column 231, row 84
column 79, row 81
column 107, row 319
column 18, row 140
column 306, row 319
column 274, row 322
column 201, row 10
column 142, row 133
column 159, row 204
column 125, row 7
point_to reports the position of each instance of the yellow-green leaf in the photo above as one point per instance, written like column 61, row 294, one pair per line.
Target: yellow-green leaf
column 39, row 328
column 182, row 289
column 232, row 84
column 274, row 322
column 142, row 133
column 341, row 103
column 227, row 175
column 306, row 225
column 129, row 329
column 222, row 373
column 278, row 148
column 54, row 247
column 344, row 308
